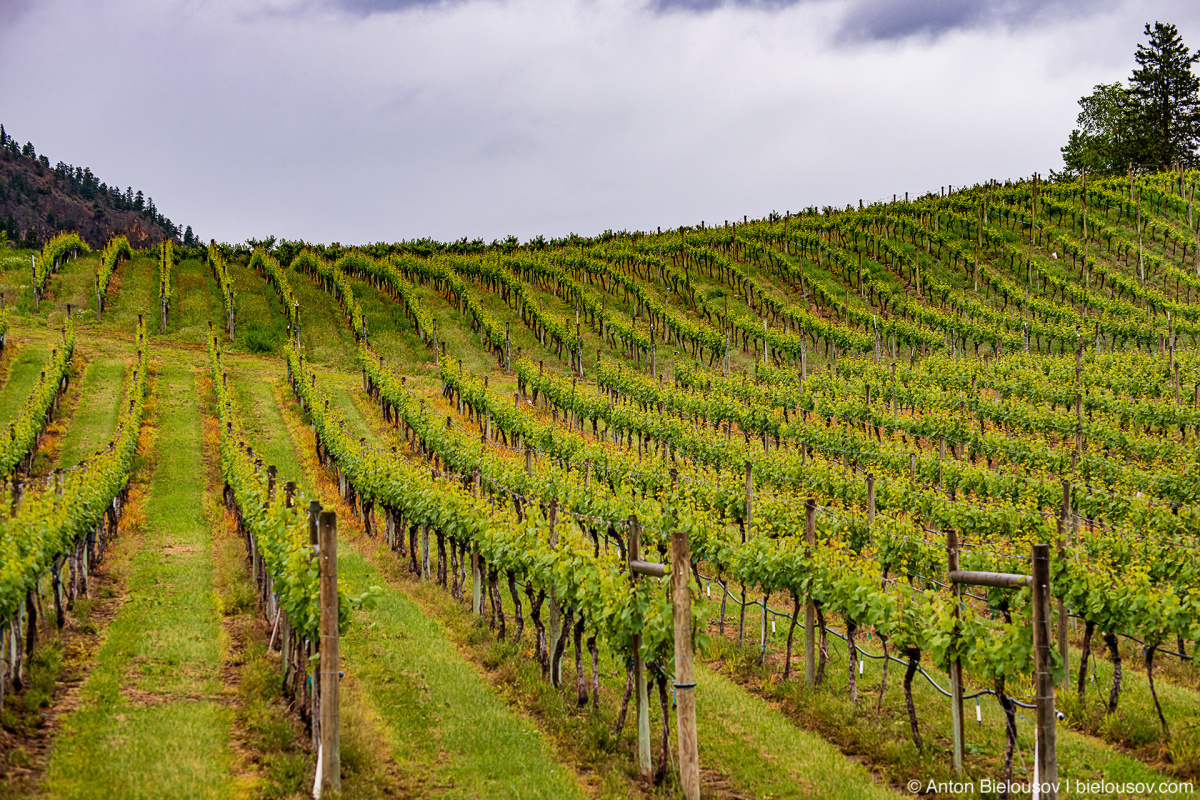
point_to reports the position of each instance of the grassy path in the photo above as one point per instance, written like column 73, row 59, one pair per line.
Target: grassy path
column 23, row 374
column 133, row 290
column 324, row 333
column 444, row 724
column 447, row 731
column 773, row 757
column 101, row 389
column 151, row 722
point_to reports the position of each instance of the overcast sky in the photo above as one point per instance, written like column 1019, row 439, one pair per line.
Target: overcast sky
column 380, row 120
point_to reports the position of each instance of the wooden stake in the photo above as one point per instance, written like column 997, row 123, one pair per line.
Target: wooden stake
column 639, row 667
column 1079, row 426
column 1063, row 645
column 331, row 740
column 871, row 498
column 1045, row 773
column 749, row 496
column 556, row 627
column 956, row 684
column 685, row 687
column 810, row 607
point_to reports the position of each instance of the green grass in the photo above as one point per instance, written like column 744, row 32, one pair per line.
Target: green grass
column 196, row 301
column 765, row 751
column 101, row 391
column 443, row 720
column 24, row 370
column 133, row 291
column 261, row 321
column 150, row 721
column 252, row 383
column 324, row 334
column 392, row 335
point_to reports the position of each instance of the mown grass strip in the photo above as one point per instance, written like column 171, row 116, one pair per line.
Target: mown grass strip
column 443, row 720
column 100, row 392
column 23, row 374
column 151, row 723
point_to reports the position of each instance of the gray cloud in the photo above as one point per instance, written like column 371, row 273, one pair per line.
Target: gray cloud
column 889, row 20
column 862, row 21
column 367, row 7
column 11, row 10
column 712, row 5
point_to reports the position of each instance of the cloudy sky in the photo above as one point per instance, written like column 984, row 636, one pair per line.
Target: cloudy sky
column 380, row 120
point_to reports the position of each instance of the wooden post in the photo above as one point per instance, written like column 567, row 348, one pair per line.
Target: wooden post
column 1078, row 425
column 639, row 667
column 555, row 633
column 871, row 498
column 685, row 687
column 507, row 350
column 956, row 684
column 331, row 744
column 749, row 497
column 1063, row 646
column 1045, row 772
column 810, row 607
column 424, row 552
column 476, row 572
column 653, row 370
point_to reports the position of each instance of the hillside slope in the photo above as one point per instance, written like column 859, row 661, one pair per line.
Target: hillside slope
column 37, row 201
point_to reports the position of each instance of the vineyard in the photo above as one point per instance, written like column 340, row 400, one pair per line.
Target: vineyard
column 860, row 502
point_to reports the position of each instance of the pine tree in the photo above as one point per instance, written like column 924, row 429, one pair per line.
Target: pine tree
column 1167, row 97
column 1152, row 124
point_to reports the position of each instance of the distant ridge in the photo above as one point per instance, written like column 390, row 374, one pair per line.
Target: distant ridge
column 38, row 200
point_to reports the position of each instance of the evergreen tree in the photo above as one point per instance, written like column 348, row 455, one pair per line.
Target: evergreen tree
column 1152, row 124
column 1167, row 97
